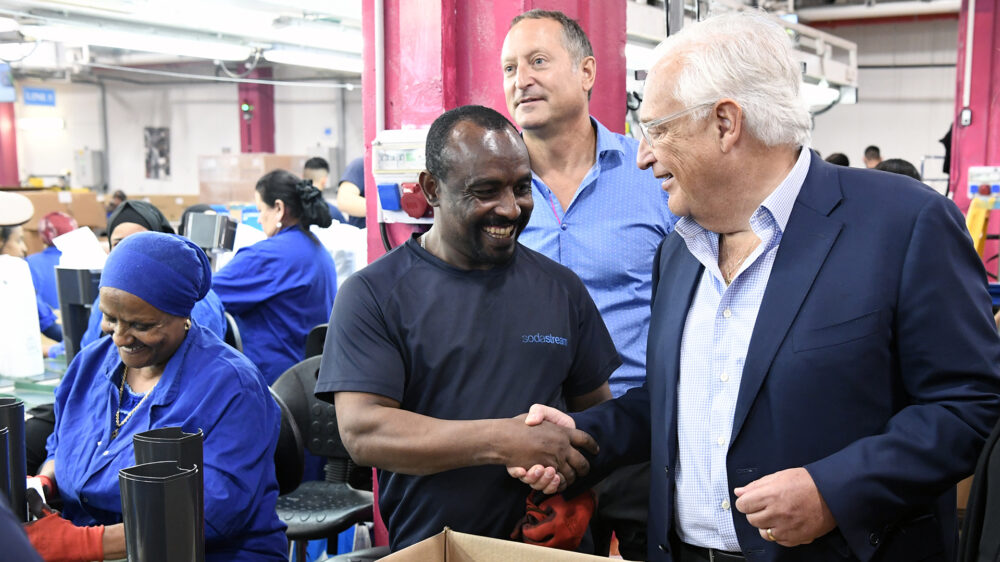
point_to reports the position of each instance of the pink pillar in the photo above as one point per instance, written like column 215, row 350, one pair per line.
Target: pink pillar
column 444, row 53
column 978, row 144
column 257, row 126
column 8, row 146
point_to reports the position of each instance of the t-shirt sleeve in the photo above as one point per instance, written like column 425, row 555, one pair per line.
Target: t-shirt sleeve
column 355, row 173
column 360, row 354
column 596, row 357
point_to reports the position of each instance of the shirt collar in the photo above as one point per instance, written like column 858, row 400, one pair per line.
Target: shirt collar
column 779, row 203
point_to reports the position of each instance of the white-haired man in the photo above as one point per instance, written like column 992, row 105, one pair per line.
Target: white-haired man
column 822, row 364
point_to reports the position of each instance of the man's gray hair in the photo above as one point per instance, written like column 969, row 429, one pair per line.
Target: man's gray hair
column 574, row 39
column 748, row 57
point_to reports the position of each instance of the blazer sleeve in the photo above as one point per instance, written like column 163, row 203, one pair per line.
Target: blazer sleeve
column 947, row 354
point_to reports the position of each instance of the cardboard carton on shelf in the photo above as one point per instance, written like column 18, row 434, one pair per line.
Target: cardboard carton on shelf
column 172, row 206
column 452, row 546
column 231, row 178
column 81, row 205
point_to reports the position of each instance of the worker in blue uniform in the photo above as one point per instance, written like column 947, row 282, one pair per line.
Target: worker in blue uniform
column 160, row 369
column 43, row 264
column 131, row 217
column 282, row 287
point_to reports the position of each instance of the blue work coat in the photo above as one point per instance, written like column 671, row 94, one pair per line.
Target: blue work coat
column 278, row 289
column 43, row 274
column 206, row 385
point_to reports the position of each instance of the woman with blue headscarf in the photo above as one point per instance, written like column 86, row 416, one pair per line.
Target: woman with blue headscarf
column 282, row 287
column 159, row 369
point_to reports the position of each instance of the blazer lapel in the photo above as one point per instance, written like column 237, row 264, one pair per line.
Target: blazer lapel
column 677, row 278
column 805, row 244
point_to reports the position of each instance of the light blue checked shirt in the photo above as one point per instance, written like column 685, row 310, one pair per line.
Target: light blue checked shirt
column 608, row 236
column 713, row 349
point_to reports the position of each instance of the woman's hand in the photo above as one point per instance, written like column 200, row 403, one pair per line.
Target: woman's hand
column 58, row 540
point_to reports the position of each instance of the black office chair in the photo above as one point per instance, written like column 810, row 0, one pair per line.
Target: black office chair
column 233, row 333
column 289, row 457
column 319, row 509
column 315, row 340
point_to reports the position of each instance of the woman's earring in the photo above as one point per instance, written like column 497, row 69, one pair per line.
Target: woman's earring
column 279, row 225
column 187, row 324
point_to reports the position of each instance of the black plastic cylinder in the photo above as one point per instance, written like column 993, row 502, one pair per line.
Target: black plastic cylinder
column 12, row 417
column 4, row 477
column 174, row 444
column 162, row 512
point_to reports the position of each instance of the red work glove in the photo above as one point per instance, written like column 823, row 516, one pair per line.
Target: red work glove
column 58, row 540
column 47, row 484
column 554, row 521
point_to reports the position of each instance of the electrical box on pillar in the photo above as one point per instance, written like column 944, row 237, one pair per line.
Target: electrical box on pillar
column 246, row 110
column 397, row 160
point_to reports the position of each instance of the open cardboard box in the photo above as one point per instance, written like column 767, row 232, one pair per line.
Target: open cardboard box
column 452, row 546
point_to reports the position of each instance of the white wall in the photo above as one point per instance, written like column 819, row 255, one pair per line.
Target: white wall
column 903, row 111
column 50, row 152
column 203, row 119
column 306, row 121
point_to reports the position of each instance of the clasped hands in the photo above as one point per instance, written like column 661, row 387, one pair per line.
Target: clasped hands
column 786, row 507
column 550, row 478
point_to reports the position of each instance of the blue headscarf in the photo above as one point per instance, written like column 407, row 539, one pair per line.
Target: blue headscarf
column 167, row 271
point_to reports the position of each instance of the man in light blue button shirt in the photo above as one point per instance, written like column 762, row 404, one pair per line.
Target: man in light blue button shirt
column 595, row 212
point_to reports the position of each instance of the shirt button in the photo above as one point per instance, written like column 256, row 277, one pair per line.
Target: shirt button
column 84, row 499
column 727, row 313
column 725, row 505
column 724, row 377
column 105, row 453
column 721, row 441
column 563, row 226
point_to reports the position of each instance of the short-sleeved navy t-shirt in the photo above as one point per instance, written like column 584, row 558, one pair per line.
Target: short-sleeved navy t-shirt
column 354, row 172
column 459, row 345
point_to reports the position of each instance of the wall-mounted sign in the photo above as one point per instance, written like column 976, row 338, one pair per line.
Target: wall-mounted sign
column 38, row 96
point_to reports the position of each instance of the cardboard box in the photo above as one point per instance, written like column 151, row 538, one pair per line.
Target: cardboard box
column 231, row 178
column 172, row 206
column 452, row 546
column 81, row 205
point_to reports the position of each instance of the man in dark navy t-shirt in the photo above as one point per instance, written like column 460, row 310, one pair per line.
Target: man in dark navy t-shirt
column 433, row 348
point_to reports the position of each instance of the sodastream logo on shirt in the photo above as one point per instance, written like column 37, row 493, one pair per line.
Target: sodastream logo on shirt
column 543, row 338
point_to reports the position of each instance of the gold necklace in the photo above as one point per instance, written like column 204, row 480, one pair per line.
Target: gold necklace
column 121, row 396
column 731, row 272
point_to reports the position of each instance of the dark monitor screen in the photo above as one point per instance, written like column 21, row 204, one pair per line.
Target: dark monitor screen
column 7, row 91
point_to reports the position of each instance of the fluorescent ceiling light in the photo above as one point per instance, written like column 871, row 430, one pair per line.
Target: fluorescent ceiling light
column 8, row 24
column 317, row 34
column 41, row 123
column 135, row 41
column 329, row 60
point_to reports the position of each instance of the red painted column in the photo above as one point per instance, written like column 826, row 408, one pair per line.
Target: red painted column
column 978, row 144
column 440, row 54
column 257, row 125
column 8, row 147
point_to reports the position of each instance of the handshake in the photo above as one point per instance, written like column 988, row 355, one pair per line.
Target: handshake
column 547, row 450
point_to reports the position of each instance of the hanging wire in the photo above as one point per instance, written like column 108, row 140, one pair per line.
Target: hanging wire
column 34, row 46
column 249, row 67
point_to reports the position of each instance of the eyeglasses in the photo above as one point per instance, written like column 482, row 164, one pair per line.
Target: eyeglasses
column 645, row 127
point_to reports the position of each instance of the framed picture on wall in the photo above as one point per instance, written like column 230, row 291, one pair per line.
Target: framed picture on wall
column 157, row 143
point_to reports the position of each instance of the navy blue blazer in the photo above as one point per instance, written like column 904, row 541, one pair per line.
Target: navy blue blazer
column 874, row 363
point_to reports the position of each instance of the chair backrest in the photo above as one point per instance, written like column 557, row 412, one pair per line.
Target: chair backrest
column 315, row 340
column 289, row 457
column 317, row 420
column 233, row 333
